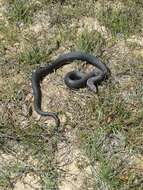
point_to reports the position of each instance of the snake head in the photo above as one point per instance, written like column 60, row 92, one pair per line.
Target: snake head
column 92, row 85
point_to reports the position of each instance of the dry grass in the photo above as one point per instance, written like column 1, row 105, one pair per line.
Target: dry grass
column 108, row 129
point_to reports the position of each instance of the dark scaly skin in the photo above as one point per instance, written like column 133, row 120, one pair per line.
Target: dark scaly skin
column 73, row 79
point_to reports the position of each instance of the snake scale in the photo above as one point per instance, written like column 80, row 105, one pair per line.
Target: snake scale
column 74, row 79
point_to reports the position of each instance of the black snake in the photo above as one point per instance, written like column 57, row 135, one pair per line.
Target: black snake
column 73, row 79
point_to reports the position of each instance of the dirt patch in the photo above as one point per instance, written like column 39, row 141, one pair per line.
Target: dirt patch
column 21, row 181
column 78, row 110
column 93, row 24
column 28, row 183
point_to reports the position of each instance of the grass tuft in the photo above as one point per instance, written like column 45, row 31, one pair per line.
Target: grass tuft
column 90, row 41
column 20, row 11
column 107, row 127
column 124, row 21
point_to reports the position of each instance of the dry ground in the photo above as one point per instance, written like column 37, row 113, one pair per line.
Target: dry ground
column 99, row 145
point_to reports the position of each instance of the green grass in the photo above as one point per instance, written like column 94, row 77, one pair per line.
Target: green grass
column 107, row 175
column 34, row 142
column 36, row 51
column 124, row 21
column 113, row 120
column 90, row 41
column 32, row 56
column 24, row 143
column 93, row 145
column 9, row 34
column 49, row 179
column 20, row 11
column 15, row 170
column 107, row 127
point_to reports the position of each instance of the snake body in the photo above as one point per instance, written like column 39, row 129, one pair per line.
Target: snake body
column 73, row 79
